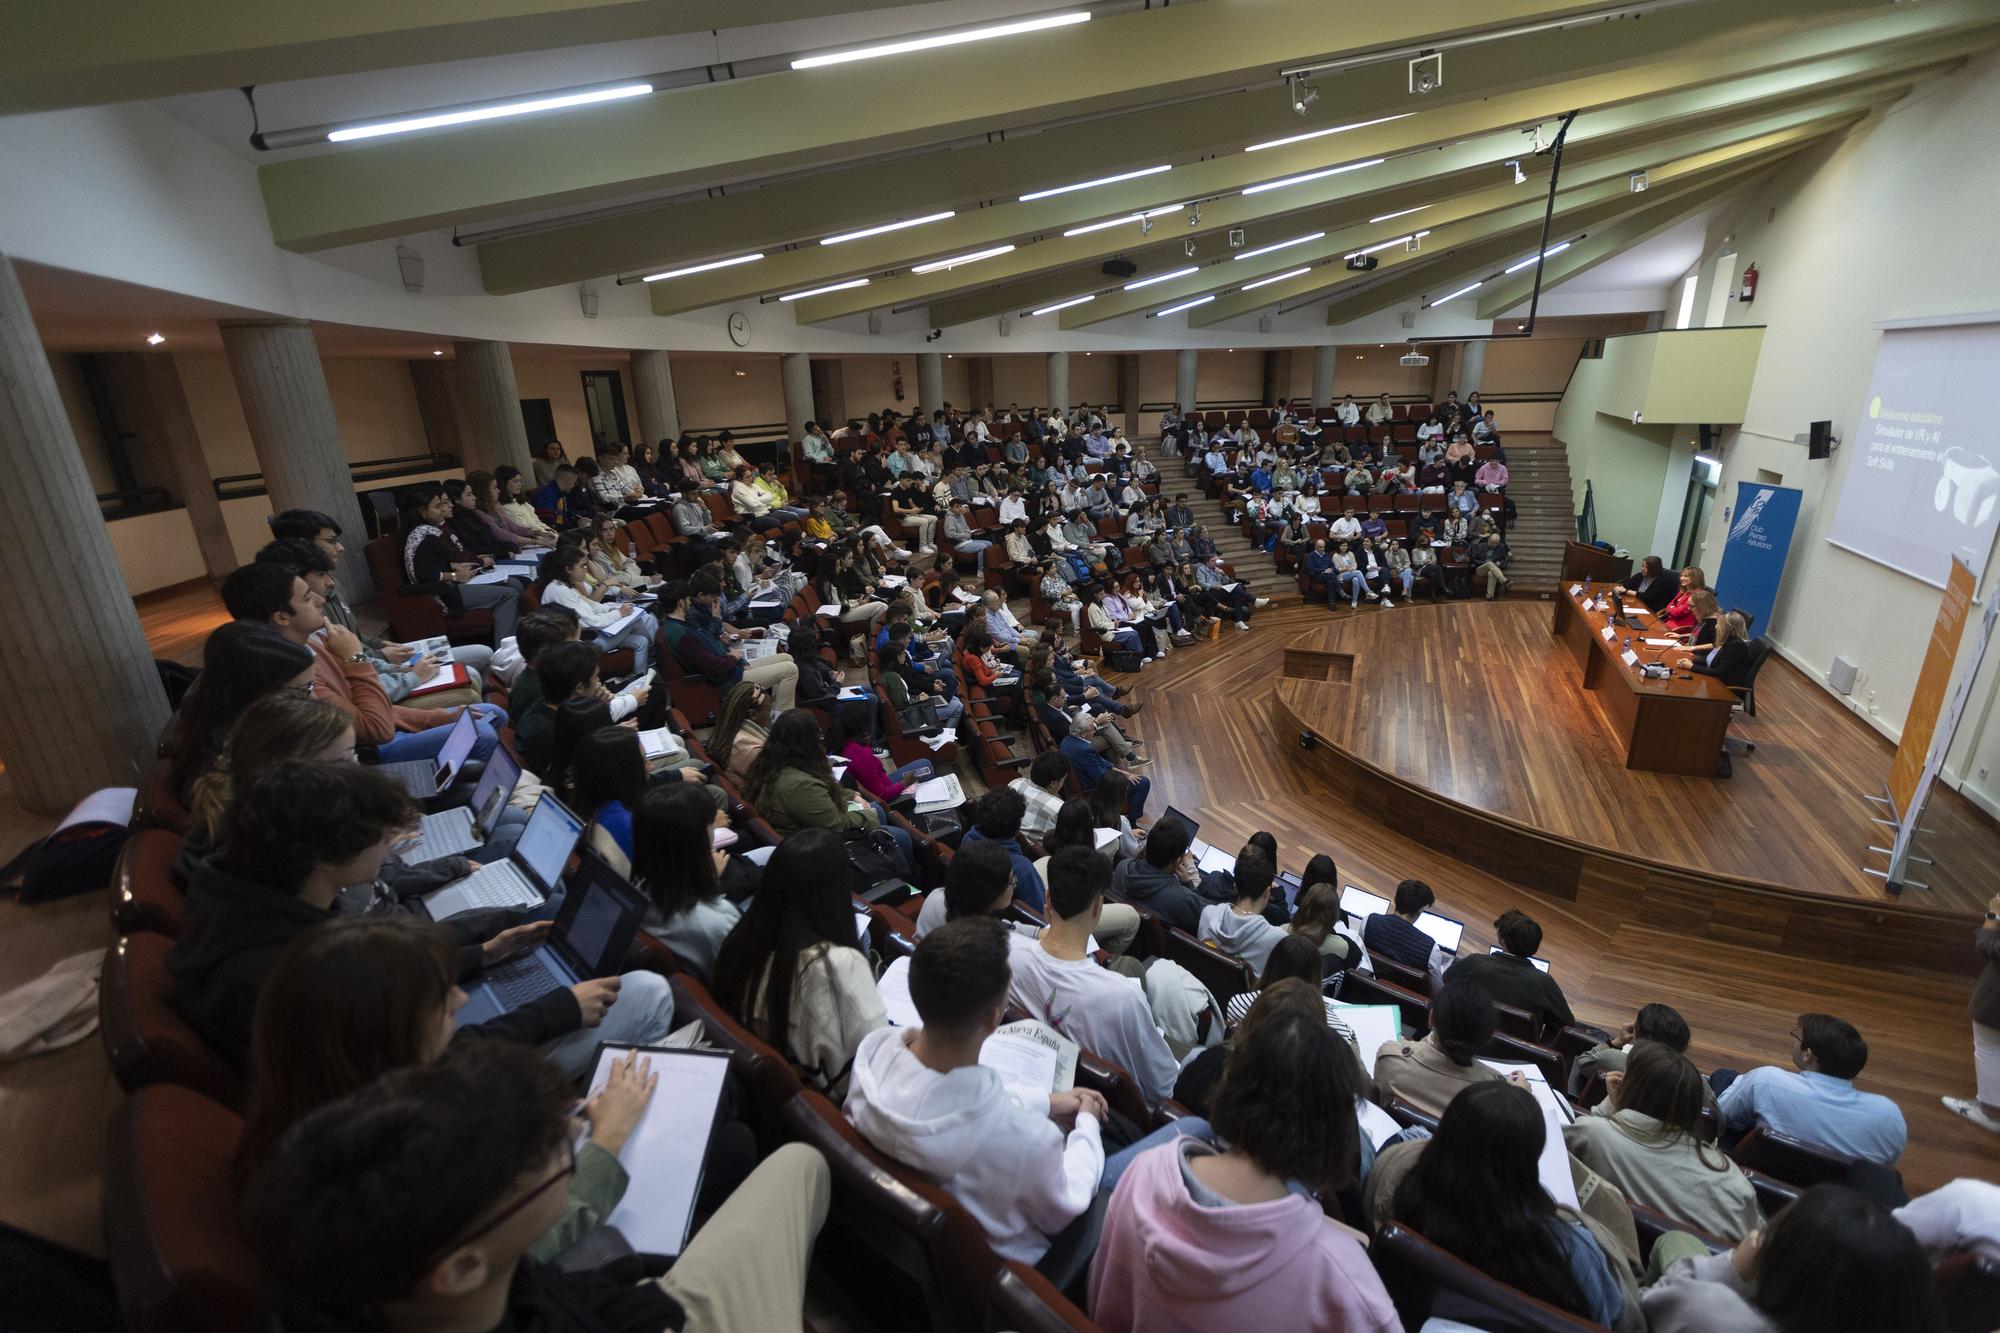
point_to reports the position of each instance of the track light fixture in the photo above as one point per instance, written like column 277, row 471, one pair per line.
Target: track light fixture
column 1520, row 176
column 1187, row 247
column 1303, row 93
column 1145, row 224
column 1194, row 215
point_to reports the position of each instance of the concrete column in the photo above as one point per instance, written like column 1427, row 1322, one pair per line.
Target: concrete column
column 194, row 483
column 930, row 381
column 1059, row 382
column 495, row 433
column 795, row 368
column 1471, row 368
column 436, row 385
column 1322, row 376
column 275, row 364
column 653, row 391
column 1185, row 363
column 1128, row 391
column 829, row 394
column 83, row 706
column 978, row 382
column 1274, row 377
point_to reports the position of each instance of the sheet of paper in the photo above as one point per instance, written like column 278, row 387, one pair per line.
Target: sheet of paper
column 617, row 626
column 1376, row 1123
column 1216, row 859
column 861, row 920
column 1660, row 643
column 839, row 767
column 1372, row 1025
column 831, row 610
column 1026, row 1067
column 489, row 576
column 113, row 805
column 852, row 692
column 435, row 646
column 449, row 679
column 664, row 1154
column 937, row 742
column 757, row 856
column 661, row 743
column 1105, row 837
column 1553, row 1166
column 893, row 581
column 894, row 988
column 934, row 794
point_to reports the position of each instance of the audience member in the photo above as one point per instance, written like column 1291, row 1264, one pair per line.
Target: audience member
column 1164, row 879
column 681, row 860
column 1238, row 926
column 1395, row 935
column 1819, row 1104
column 242, row 662
column 1654, row 1022
column 1511, row 979
column 1430, row 1074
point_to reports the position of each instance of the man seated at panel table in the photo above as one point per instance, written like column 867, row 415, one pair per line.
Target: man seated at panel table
column 1819, row 1104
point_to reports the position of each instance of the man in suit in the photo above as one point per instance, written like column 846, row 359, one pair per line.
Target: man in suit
column 1652, row 584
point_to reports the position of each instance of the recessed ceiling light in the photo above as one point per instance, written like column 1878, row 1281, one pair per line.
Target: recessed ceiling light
column 742, row 374
column 1063, row 305
column 849, row 285
column 1321, row 134
column 1281, row 245
column 1123, row 219
column 1162, row 277
column 155, row 339
column 934, row 40
column 701, row 268
column 439, row 351
column 1101, row 180
column 1187, row 305
column 1314, row 175
column 937, row 264
column 526, row 106
column 1276, row 277
column 1460, row 292
column 887, row 227
column 1530, row 260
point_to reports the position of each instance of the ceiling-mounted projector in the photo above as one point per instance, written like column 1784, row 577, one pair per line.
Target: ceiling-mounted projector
column 1413, row 359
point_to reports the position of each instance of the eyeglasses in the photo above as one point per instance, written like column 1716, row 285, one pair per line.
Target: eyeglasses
column 308, row 689
column 492, row 1223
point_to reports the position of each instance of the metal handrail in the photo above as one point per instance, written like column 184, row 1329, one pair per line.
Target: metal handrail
column 138, row 500
column 244, row 485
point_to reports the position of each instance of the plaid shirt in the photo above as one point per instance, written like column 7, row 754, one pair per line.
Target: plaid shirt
column 1043, row 807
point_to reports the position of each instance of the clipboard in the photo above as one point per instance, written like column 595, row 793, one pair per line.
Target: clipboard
column 656, row 1214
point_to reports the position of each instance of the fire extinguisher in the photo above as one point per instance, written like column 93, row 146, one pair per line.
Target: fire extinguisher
column 1749, row 291
column 896, row 369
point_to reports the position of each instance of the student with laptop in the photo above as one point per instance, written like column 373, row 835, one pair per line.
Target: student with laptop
column 413, row 1203
column 1512, row 979
column 277, row 595
column 1396, row 936
column 1164, row 879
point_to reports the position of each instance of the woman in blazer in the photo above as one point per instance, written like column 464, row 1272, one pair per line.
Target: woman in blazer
column 1707, row 608
column 1679, row 614
column 1729, row 660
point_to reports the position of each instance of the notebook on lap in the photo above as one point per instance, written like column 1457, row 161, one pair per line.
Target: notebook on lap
column 528, row 875
column 449, row 832
column 600, row 915
column 424, row 778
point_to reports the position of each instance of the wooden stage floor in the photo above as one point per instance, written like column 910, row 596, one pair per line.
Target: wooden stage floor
column 1208, row 718
column 1482, row 706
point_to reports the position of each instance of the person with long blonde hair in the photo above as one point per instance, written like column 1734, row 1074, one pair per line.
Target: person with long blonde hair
column 286, row 725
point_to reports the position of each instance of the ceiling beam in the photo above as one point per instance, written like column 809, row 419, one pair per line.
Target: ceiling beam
column 999, row 167
column 1418, row 148
column 1499, row 296
column 64, row 53
column 1439, row 273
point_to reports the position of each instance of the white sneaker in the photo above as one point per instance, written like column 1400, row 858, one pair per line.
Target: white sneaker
column 1973, row 1111
column 1243, row 625
column 1262, row 602
column 1182, row 634
column 1386, row 602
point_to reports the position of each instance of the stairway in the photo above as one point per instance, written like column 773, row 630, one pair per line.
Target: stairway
column 1253, row 566
column 1545, row 516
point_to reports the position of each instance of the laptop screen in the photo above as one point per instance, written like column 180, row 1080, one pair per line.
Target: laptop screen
column 456, row 747
column 1359, row 903
column 547, row 841
column 1192, row 827
column 600, row 914
column 1291, row 886
column 1442, row 929
column 496, row 784
column 1541, row 963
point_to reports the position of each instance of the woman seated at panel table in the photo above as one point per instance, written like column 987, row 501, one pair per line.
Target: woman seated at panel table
column 1729, row 660
column 1680, row 614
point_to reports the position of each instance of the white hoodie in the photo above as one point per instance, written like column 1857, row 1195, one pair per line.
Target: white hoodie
column 1250, row 938
column 1009, row 1164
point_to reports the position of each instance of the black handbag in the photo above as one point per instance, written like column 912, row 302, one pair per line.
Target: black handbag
column 875, row 867
column 921, row 715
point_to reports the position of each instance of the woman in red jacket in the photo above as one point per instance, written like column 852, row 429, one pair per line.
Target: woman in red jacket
column 1680, row 612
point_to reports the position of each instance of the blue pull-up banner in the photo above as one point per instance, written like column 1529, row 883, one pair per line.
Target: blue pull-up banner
column 1753, row 558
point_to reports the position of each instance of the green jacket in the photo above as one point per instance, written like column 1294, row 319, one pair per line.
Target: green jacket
column 595, row 1189
column 797, row 801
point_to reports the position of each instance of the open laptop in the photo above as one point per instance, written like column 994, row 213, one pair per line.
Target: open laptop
column 600, row 915
column 1291, row 886
column 424, row 778
column 528, row 875
column 1360, row 904
column 1541, row 963
column 449, row 832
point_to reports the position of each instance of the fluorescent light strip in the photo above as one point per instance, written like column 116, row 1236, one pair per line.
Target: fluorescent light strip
column 1400, row 213
column 1185, row 305
column 822, row 291
column 1282, row 245
column 1386, row 244
column 1314, row 175
column 936, row 264
column 1064, row 305
column 1277, row 277
column 944, row 39
column 1321, row 134
column 1529, row 261
column 1460, row 292
column 467, row 117
column 1101, row 180
column 1162, row 277
column 888, row 227
column 1121, row 221
column 702, row 268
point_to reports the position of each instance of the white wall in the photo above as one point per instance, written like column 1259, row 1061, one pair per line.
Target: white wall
column 1894, row 221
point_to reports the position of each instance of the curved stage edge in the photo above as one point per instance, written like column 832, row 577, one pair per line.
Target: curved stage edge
column 1703, row 906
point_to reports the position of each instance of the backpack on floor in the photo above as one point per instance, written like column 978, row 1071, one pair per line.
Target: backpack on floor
column 1123, row 659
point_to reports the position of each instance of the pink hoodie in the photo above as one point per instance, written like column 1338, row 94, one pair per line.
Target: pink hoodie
column 1166, row 1264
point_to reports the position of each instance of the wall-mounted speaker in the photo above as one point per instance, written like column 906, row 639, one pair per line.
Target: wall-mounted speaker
column 1119, row 268
column 1820, row 443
